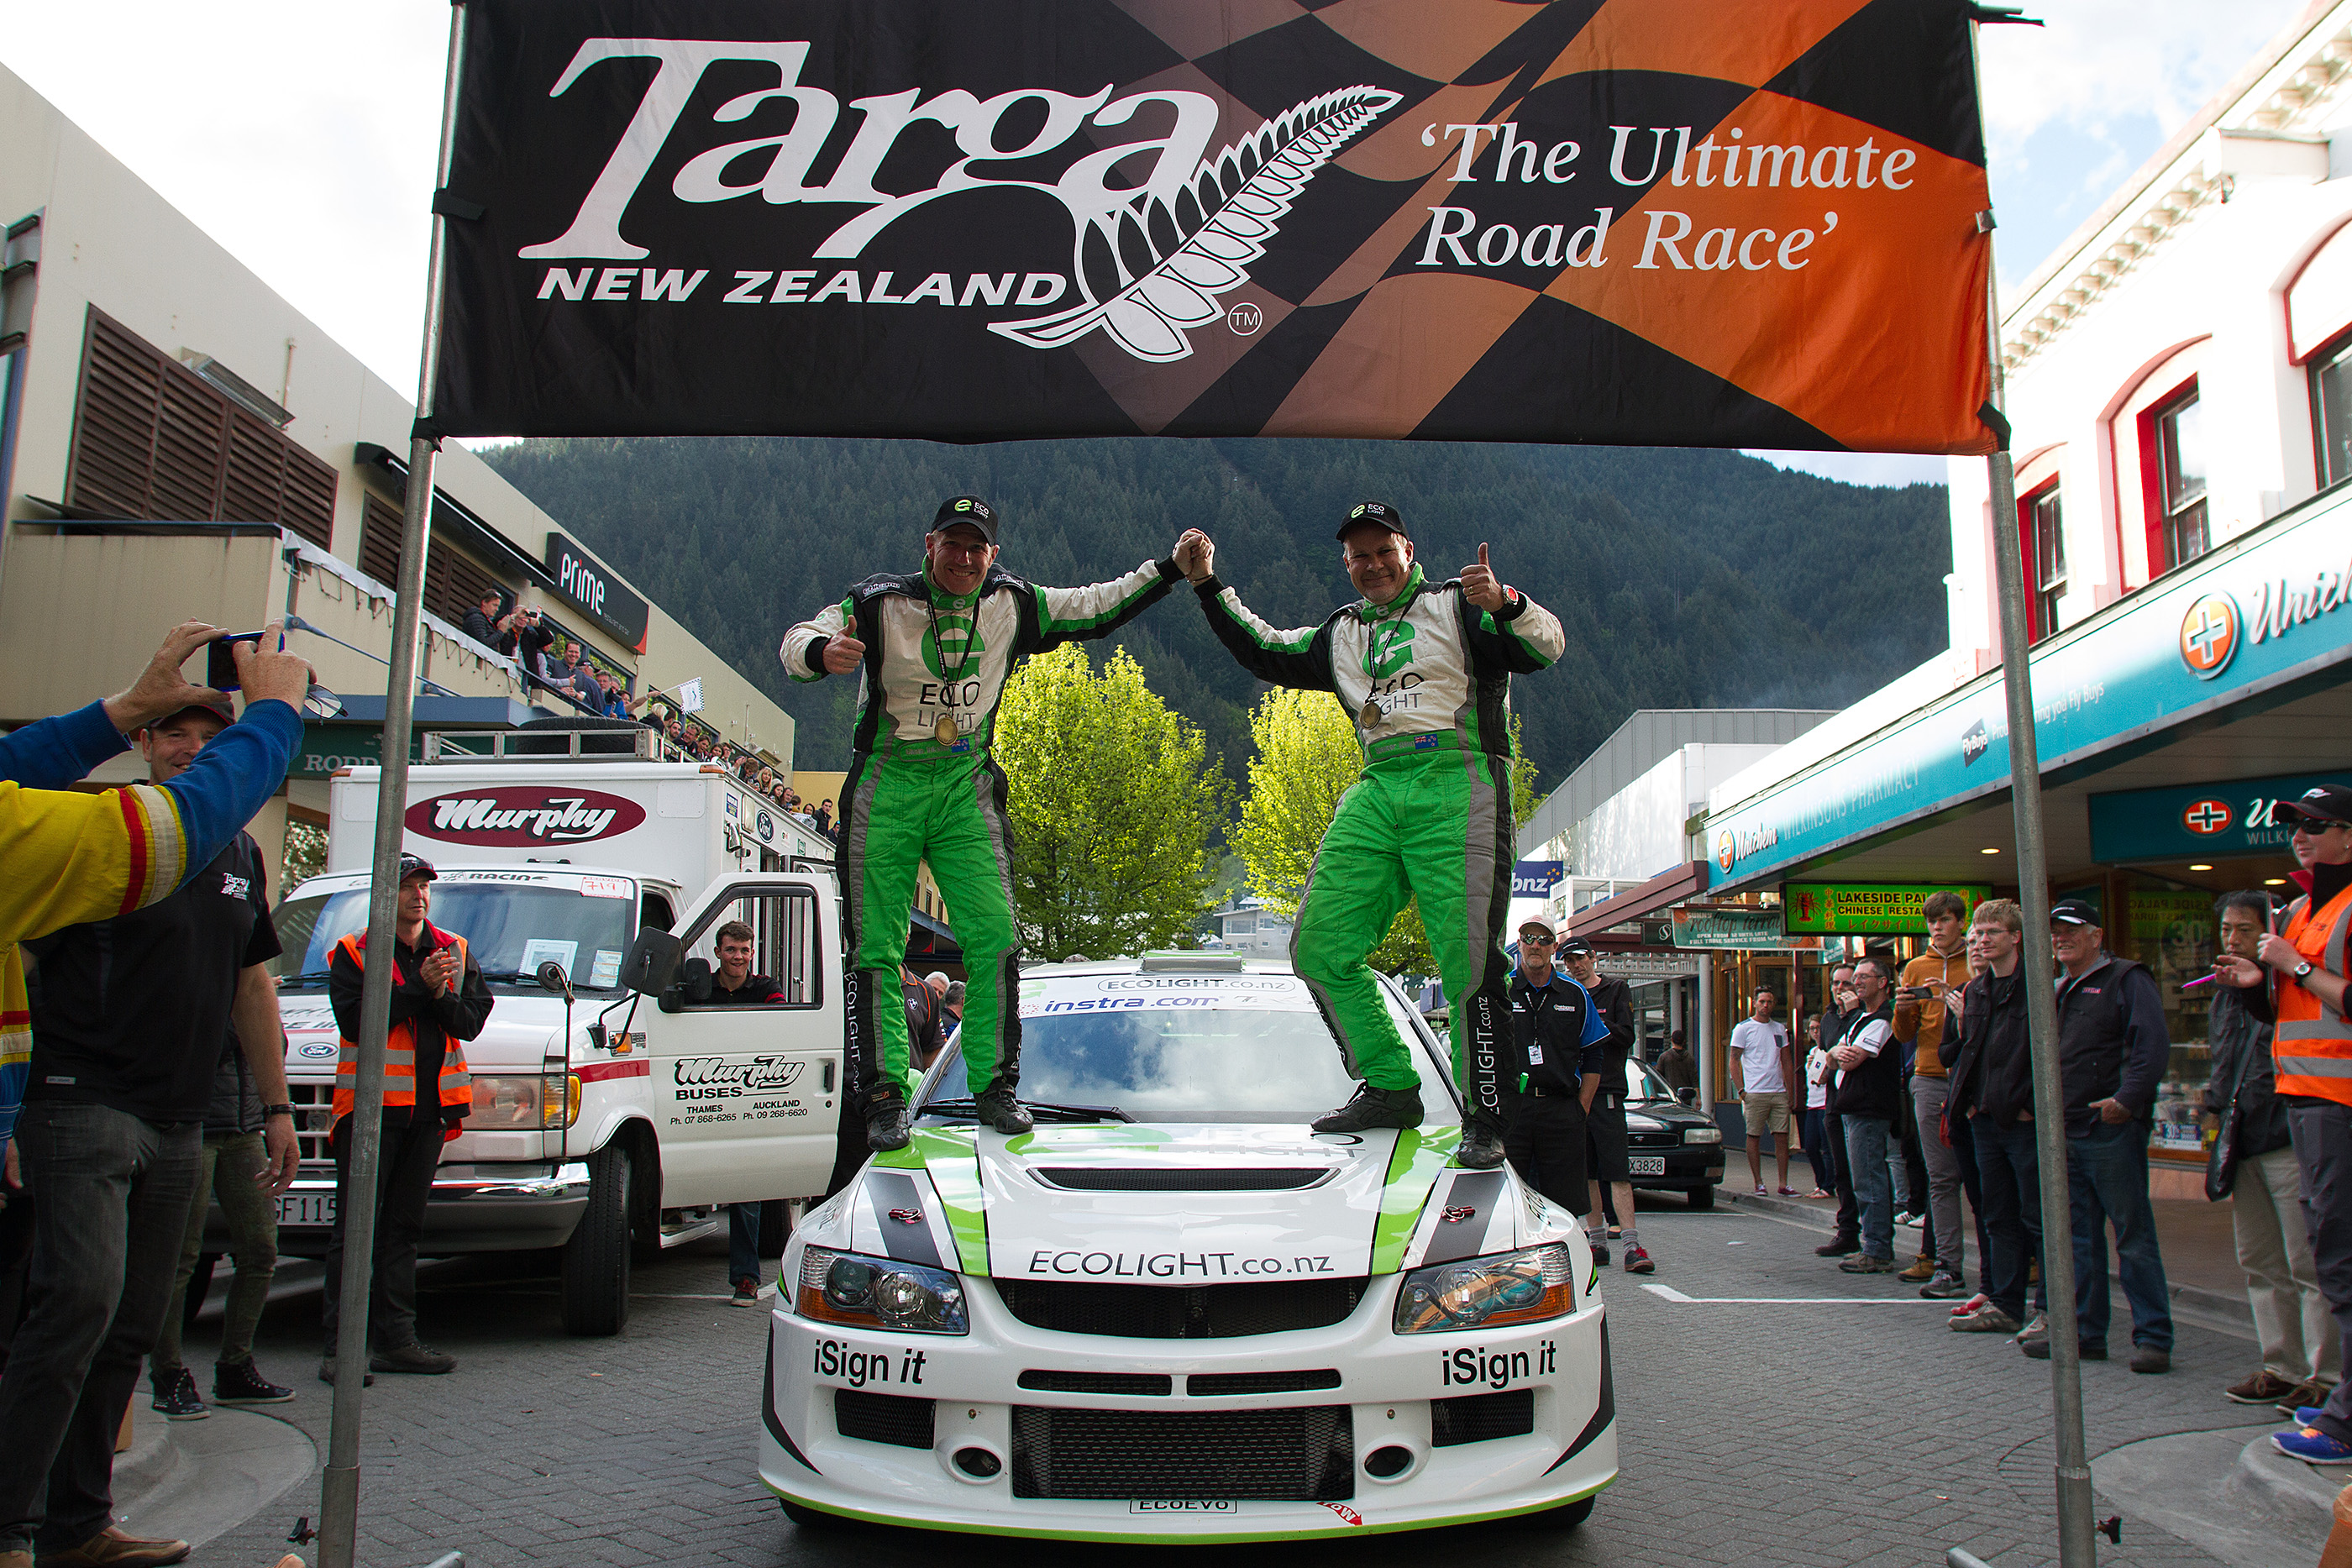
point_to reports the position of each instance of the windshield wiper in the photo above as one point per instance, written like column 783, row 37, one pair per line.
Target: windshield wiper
column 318, row 975
column 962, row 1108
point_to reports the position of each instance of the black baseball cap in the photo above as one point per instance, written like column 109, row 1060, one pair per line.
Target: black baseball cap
column 2325, row 803
column 417, row 865
column 2073, row 912
column 1380, row 514
column 1576, row 947
column 966, row 509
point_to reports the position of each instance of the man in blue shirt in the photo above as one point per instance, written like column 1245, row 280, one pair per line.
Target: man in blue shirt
column 1559, row 1047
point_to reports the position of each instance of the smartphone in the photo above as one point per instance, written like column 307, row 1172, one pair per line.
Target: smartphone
column 220, row 666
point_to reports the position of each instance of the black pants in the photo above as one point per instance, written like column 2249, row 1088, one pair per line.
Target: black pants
column 1964, row 1149
column 2323, row 1147
column 403, row 1183
column 1545, row 1142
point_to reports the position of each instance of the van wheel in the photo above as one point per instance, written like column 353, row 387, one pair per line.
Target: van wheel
column 1701, row 1197
column 597, row 1259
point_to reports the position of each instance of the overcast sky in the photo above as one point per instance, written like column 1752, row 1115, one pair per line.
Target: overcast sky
column 301, row 136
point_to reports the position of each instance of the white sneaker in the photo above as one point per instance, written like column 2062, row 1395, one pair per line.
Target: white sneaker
column 2041, row 1324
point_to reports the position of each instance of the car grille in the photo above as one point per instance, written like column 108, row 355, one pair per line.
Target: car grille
column 1205, row 1384
column 1138, row 1382
column 882, row 1418
column 1167, row 1312
column 1301, row 1455
column 1653, row 1140
column 1481, row 1417
column 314, row 1118
column 1280, row 1179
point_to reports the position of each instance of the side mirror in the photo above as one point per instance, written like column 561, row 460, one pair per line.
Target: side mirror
column 1687, row 1096
column 552, row 977
column 651, row 962
column 695, row 981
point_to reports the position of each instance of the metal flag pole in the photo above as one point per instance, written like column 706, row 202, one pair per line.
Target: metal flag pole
column 340, row 1487
column 2075, row 1547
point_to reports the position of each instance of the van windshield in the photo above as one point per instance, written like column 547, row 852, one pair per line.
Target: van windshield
column 509, row 930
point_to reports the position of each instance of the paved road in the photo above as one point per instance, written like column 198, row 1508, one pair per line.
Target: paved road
column 1776, row 1432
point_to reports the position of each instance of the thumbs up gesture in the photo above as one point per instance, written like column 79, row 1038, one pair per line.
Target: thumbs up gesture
column 1480, row 586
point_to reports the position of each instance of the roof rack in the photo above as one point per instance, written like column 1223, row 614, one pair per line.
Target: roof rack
column 632, row 743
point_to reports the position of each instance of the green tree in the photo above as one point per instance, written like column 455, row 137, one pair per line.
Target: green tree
column 1307, row 758
column 1114, row 802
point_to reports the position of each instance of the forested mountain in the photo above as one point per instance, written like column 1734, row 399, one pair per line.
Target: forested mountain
column 1684, row 577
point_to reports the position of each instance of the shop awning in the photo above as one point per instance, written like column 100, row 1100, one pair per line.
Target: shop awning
column 1660, row 891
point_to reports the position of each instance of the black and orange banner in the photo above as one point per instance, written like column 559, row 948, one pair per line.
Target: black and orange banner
column 1701, row 223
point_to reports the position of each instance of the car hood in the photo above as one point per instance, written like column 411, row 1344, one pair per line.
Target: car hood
column 1176, row 1204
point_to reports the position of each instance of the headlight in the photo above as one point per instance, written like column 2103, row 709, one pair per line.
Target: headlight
column 524, row 1103
column 1523, row 1287
column 880, row 1294
column 1702, row 1134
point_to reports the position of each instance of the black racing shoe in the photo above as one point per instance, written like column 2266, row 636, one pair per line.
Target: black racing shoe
column 998, row 1108
column 177, row 1398
column 1374, row 1108
column 243, row 1383
column 1481, row 1148
column 888, row 1122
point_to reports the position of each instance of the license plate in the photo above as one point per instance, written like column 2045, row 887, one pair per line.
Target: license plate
column 1152, row 1505
column 1648, row 1164
column 306, row 1208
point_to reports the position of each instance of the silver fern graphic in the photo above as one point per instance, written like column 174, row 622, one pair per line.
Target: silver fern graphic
column 1150, row 269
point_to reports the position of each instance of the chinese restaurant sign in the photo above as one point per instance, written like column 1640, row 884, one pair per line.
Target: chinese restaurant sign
column 1837, row 909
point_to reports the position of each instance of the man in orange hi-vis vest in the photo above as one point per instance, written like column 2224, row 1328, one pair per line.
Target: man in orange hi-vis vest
column 2313, row 1054
column 438, row 1000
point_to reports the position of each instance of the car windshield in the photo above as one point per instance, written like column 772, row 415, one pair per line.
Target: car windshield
column 510, row 929
column 1642, row 1084
column 1172, row 1046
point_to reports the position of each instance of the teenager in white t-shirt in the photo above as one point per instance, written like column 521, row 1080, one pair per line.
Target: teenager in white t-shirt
column 1813, row 1128
column 1764, row 1067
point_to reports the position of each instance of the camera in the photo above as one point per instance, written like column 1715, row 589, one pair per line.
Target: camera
column 220, row 664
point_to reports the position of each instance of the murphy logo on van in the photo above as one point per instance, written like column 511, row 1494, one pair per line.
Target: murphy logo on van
column 524, row 815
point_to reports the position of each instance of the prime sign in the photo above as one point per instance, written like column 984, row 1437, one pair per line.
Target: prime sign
column 584, row 581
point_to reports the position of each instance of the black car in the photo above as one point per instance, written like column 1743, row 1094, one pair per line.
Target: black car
column 1671, row 1147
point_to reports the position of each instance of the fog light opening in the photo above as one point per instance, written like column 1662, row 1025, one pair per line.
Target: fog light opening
column 1387, row 1462
column 978, row 1463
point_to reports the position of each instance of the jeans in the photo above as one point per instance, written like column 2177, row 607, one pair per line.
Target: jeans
column 114, row 1192
column 1816, row 1133
column 405, row 1161
column 1866, row 1148
column 743, row 1239
column 1848, row 1222
column 1927, row 1097
column 2107, row 1180
column 2322, row 1146
column 226, row 1166
column 2009, row 1166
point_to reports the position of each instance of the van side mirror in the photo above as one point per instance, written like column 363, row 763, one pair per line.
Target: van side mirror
column 689, row 987
column 651, row 962
column 1687, row 1096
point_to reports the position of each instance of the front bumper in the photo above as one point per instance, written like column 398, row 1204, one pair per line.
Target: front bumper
column 473, row 1208
column 1687, row 1166
column 1557, row 1440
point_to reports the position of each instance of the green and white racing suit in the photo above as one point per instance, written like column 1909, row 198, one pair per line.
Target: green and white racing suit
column 1431, row 818
column 910, row 799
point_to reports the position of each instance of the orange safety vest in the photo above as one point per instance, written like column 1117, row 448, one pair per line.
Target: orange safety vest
column 400, row 1052
column 2313, row 1048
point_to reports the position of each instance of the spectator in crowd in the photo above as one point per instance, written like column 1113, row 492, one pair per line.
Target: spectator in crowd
column 1675, row 1066
column 489, row 622
column 1607, row 1169
column 2303, row 1356
column 2112, row 1053
column 951, row 1008
column 1930, row 982
column 823, row 817
column 1815, row 1128
column 438, row 1002
column 1558, row 1040
column 924, row 1035
column 734, row 985
column 1866, row 1094
column 767, row 784
column 1762, row 1068
column 527, row 642
column 2312, row 1056
column 576, row 678
column 114, row 1187
column 1846, row 1237
column 1990, row 1084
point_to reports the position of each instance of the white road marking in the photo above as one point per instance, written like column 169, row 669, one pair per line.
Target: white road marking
column 1671, row 1294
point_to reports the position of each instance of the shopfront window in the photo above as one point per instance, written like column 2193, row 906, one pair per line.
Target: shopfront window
column 2169, row 928
column 2331, row 409
column 2046, row 560
column 2181, row 434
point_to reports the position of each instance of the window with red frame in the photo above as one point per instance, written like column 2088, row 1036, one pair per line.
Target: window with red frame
column 2179, row 532
column 2331, row 410
column 2042, row 543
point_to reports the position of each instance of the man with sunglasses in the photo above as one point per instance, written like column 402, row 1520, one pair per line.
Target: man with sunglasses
column 2312, row 1053
column 1560, row 1047
column 933, row 649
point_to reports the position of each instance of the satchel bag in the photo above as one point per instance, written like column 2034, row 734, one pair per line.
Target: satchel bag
column 2221, row 1162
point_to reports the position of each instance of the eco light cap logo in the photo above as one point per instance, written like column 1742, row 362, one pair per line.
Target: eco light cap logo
column 2209, row 634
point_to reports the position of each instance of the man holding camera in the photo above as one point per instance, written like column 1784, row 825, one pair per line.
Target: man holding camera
column 1930, row 983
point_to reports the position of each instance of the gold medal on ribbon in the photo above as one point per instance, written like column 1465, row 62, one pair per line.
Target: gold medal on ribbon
column 944, row 732
column 1371, row 716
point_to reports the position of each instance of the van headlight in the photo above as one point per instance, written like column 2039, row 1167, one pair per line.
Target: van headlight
column 524, row 1103
column 1523, row 1287
column 880, row 1294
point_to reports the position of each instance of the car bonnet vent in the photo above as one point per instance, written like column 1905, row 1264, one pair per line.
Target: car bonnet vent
column 1277, row 1179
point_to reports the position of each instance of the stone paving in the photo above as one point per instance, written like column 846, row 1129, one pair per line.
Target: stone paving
column 1825, row 1433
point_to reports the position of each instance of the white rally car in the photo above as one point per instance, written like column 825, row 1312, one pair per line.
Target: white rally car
column 1173, row 1312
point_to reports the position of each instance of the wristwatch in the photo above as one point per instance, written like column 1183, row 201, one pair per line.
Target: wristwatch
column 269, row 1110
column 2303, row 970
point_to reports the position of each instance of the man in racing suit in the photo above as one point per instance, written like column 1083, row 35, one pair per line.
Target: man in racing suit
column 933, row 649
column 1425, row 670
